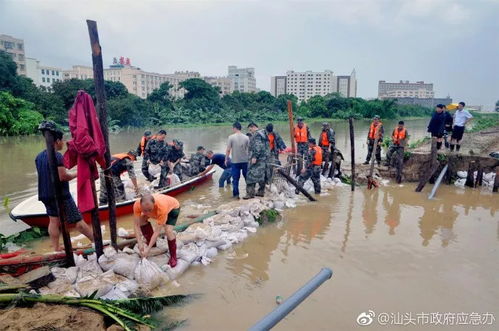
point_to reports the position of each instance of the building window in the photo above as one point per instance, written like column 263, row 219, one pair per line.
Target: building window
column 22, row 66
column 21, row 57
column 53, row 73
column 43, row 79
column 20, row 47
column 57, row 73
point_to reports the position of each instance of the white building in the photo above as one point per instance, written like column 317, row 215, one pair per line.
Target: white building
column 15, row 48
column 347, row 85
column 278, row 85
column 43, row 75
column 223, row 83
column 405, row 89
column 242, row 79
column 305, row 85
column 79, row 72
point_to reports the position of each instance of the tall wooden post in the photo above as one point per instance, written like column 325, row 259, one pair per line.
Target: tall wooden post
column 291, row 126
column 352, row 151
column 100, row 95
column 432, row 166
column 54, row 176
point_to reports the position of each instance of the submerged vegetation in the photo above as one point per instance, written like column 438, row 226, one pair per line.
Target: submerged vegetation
column 23, row 105
column 23, row 236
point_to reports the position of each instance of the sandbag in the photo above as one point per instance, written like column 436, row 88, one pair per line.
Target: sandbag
column 179, row 269
column 90, row 284
column 89, row 268
column 66, row 274
column 148, row 275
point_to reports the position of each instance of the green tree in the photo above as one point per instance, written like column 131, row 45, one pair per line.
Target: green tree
column 17, row 116
column 199, row 89
column 161, row 95
column 8, row 76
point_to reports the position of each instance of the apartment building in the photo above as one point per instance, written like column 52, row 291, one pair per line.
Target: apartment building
column 42, row 75
column 347, row 85
column 15, row 48
column 305, row 85
column 278, row 85
column 79, row 72
column 405, row 89
column 242, row 79
column 223, row 83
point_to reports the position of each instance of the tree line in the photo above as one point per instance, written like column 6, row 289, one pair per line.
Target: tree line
column 23, row 105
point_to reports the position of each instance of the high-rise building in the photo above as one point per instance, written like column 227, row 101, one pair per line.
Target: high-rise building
column 404, row 89
column 15, row 48
column 242, row 79
column 305, row 85
column 278, row 85
column 42, row 75
column 347, row 85
column 223, row 83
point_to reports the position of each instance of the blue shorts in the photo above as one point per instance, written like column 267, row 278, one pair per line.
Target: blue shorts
column 73, row 215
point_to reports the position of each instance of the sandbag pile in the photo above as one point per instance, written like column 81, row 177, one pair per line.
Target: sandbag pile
column 121, row 274
column 487, row 180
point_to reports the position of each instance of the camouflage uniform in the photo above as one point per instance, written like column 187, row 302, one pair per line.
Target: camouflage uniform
column 326, row 153
column 260, row 171
column 302, row 149
column 279, row 145
column 312, row 171
column 174, row 155
column 117, row 169
column 145, row 163
column 197, row 164
column 157, row 152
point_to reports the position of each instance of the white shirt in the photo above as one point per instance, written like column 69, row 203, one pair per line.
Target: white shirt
column 461, row 116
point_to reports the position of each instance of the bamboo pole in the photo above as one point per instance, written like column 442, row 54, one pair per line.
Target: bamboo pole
column 54, row 176
column 100, row 95
column 352, row 151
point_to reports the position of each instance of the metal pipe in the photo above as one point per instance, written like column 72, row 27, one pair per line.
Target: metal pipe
column 437, row 183
column 275, row 316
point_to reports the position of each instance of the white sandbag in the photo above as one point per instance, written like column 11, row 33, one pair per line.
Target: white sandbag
column 114, row 294
column 153, row 251
column 122, row 232
column 148, row 275
column 227, row 245
column 89, row 268
column 462, row 174
column 89, row 284
column 174, row 180
column 188, row 252
column 78, row 259
column 215, row 244
column 67, row 274
column 125, row 265
column 160, row 260
column 180, row 268
column 154, row 169
column 211, row 252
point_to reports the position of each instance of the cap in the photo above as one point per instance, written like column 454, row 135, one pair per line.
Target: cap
column 47, row 125
column 311, row 141
column 147, row 133
column 325, row 123
column 133, row 153
column 252, row 124
column 299, row 119
column 178, row 142
column 200, row 148
column 161, row 132
column 376, row 117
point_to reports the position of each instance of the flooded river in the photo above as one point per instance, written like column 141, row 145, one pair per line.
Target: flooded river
column 391, row 250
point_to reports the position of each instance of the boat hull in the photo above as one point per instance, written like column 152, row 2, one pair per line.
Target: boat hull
column 122, row 208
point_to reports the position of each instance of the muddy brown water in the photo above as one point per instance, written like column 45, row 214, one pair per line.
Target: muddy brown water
column 391, row 250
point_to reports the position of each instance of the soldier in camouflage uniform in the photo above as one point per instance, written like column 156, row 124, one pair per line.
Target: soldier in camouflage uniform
column 326, row 142
column 119, row 164
column 259, row 156
column 276, row 143
column 141, row 150
column 157, row 152
column 198, row 162
column 312, row 169
column 302, row 135
column 175, row 155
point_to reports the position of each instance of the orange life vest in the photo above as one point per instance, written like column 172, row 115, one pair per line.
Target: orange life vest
column 318, row 156
column 301, row 135
column 115, row 158
column 372, row 130
column 397, row 135
column 324, row 139
column 271, row 140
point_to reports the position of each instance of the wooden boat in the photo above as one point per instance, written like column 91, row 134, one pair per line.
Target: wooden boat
column 32, row 212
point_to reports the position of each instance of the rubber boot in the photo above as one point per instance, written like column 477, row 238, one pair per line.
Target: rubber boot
column 439, row 145
column 261, row 190
column 172, row 247
column 452, row 147
column 147, row 232
column 458, row 147
column 250, row 191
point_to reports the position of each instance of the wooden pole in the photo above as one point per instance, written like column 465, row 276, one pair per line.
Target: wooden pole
column 291, row 126
column 100, row 95
column 431, row 167
column 470, row 178
column 400, row 164
column 352, row 151
column 479, row 175
column 54, row 176
column 295, row 184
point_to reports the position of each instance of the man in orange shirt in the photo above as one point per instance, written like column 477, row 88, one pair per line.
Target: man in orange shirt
column 165, row 210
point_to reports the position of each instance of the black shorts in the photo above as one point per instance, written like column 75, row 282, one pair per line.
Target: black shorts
column 437, row 135
column 73, row 215
column 457, row 132
column 173, row 216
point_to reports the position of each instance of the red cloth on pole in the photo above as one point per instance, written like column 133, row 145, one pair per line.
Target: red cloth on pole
column 86, row 148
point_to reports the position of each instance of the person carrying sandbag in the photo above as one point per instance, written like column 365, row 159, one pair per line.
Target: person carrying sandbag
column 165, row 210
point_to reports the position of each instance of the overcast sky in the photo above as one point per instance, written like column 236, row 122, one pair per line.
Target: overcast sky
column 453, row 44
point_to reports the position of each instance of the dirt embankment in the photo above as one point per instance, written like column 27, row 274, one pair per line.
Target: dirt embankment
column 50, row 317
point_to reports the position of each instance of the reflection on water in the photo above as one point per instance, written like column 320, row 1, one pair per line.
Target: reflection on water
column 391, row 249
